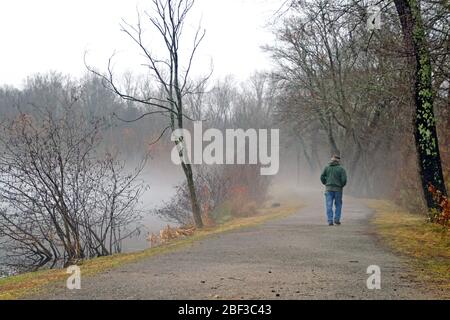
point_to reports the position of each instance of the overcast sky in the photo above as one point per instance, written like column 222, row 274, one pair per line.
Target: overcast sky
column 38, row 36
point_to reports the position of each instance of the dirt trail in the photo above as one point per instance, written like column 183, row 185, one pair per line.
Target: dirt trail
column 298, row 257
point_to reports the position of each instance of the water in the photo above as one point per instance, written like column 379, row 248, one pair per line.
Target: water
column 162, row 188
column 161, row 183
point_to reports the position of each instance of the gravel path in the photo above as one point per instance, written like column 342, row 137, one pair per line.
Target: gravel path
column 298, row 257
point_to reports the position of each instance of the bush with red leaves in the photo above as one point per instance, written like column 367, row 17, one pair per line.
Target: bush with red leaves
column 441, row 216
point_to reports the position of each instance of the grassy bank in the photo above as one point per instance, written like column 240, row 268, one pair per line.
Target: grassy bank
column 32, row 283
column 427, row 245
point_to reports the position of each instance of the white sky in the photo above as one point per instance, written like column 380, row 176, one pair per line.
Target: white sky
column 44, row 35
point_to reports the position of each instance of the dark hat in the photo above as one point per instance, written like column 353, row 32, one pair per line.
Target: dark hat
column 336, row 156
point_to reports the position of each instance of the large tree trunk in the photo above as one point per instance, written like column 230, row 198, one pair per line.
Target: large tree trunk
column 427, row 145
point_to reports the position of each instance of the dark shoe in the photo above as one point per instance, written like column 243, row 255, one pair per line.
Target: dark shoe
column 337, row 223
column 331, row 224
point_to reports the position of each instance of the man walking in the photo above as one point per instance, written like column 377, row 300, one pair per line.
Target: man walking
column 334, row 178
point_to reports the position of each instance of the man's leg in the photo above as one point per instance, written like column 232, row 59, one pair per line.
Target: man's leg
column 338, row 204
column 329, row 197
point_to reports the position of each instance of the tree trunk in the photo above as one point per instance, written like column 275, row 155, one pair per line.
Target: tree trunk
column 196, row 212
column 311, row 163
column 426, row 139
column 187, row 167
column 333, row 146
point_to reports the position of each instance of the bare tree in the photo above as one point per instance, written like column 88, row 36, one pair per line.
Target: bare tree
column 61, row 199
column 330, row 86
column 171, row 72
column 230, row 189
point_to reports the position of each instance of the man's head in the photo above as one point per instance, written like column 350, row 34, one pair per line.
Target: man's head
column 335, row 158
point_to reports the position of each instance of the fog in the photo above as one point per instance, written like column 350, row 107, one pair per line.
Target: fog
column 161, row 189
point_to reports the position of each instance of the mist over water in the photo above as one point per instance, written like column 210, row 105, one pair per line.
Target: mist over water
column 161, row 182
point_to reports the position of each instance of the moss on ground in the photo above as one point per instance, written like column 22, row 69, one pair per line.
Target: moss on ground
column 426, row 244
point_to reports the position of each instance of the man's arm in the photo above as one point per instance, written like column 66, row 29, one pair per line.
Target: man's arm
column 323, row 177
column 343, row 177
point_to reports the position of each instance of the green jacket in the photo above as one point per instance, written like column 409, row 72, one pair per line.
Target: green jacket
column 334, row 177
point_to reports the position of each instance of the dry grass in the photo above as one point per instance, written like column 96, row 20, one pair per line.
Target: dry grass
column 427, row 244
column 32, row 283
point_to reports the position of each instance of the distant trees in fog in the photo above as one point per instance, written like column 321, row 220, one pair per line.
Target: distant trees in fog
column 53, row 90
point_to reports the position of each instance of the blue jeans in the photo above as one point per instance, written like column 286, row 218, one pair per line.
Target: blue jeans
column 336, row 198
